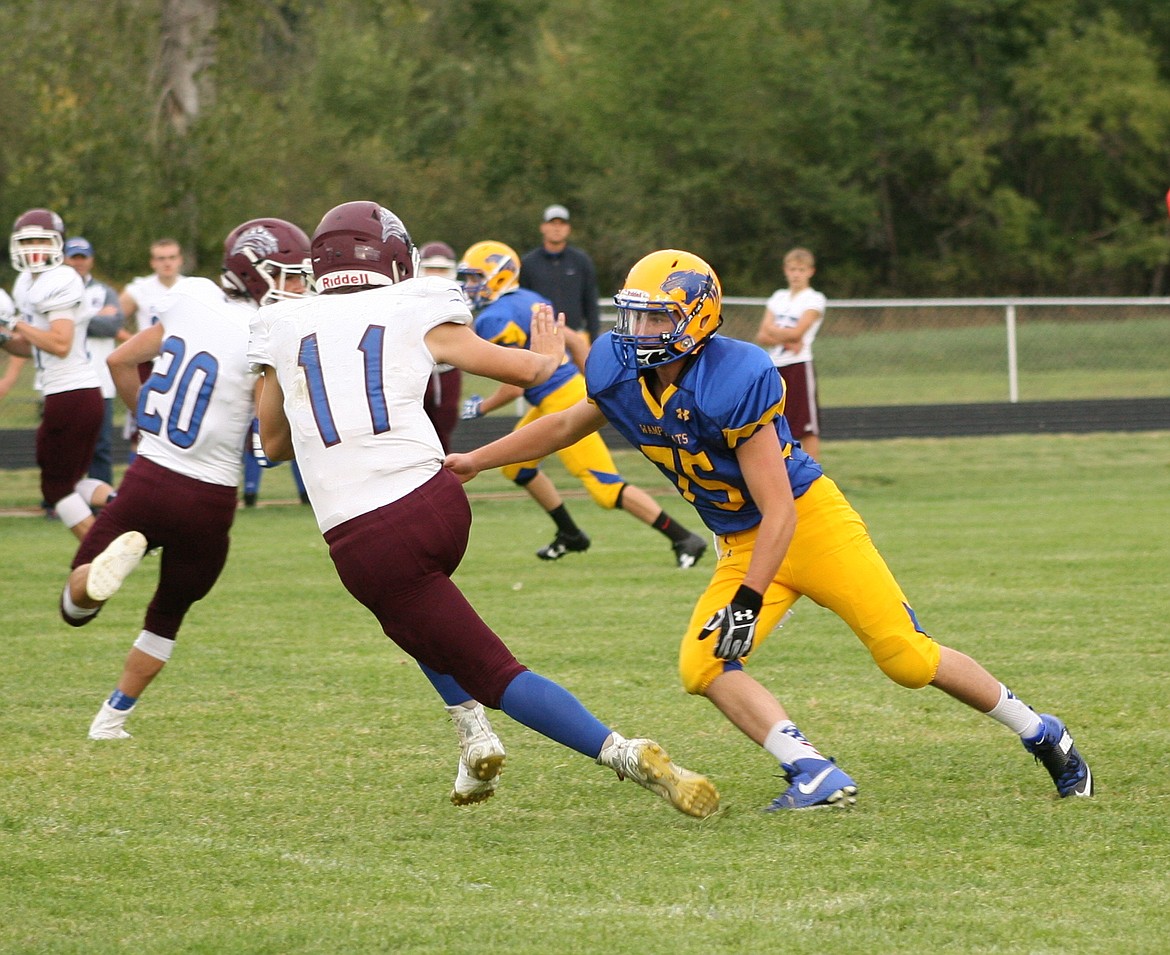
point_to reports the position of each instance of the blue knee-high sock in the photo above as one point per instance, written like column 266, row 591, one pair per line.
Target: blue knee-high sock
column 446, row 686
column 252, row 473
column 554, row 712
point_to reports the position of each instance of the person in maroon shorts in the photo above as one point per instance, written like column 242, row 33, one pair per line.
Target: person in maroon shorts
column 50, row 327
column 350, row 366
column 790, row 323
column 193, row 412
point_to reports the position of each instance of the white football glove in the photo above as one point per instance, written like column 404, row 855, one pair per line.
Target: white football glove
column 472, row 408
column 7, row 324
column 258, row 451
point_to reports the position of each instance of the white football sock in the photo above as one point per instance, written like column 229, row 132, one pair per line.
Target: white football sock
column 1015, row 714
column 787, row 743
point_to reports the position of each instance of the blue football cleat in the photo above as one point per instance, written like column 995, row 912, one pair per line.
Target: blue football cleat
column 814, row 783
column 1054, row 748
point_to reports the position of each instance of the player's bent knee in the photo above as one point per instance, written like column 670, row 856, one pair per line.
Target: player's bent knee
column 604, row 495
column 909, row 664
column 698, row 675
column 521, row 477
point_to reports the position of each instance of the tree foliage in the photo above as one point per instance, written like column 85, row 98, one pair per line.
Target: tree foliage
column 918, row 146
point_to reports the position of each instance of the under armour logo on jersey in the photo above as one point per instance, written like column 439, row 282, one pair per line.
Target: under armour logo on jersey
column 683, row 414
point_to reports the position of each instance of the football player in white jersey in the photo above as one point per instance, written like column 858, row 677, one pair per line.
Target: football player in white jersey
column 50, row 327
column 15, row 362
column 345, row 373
column 193, row 413
column 141, row 299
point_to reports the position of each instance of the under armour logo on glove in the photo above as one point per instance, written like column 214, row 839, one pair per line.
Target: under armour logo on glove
column 735, row 625
column 472, row 408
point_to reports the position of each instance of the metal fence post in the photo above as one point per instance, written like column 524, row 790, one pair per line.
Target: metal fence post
column 1013, row 364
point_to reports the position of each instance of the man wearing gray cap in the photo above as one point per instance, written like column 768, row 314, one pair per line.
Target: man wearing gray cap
column 563, row 273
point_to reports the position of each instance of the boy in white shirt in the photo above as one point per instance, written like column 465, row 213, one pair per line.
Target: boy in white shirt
column 791, row 321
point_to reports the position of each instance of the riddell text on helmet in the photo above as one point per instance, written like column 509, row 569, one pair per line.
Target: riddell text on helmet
column 351, row 277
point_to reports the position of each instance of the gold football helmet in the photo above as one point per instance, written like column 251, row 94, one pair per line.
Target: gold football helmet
column 670, row 305
column 486, row 271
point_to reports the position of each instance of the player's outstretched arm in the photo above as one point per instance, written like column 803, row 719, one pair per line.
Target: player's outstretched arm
column 458, row 345
column 537, row 439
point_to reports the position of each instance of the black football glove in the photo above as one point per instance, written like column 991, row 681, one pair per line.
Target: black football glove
column 735, row 625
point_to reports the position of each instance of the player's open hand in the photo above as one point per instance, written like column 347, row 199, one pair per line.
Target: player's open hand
column 546, row 338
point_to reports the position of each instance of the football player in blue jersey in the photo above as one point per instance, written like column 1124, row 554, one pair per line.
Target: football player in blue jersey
column 707, row 410
column 490, row 275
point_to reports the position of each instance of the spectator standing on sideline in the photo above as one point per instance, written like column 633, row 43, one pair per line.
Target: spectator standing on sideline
column 441, row 402
column 503, row 315
column 563, row 274
column 50, row 327
column 791, row 321
column 104, row 324
column 140, row 301
column 707, row 410
column 336, row 367
column 179, row 492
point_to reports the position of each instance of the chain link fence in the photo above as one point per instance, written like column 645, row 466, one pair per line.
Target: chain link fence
column 946, row 351
column 1065, row 353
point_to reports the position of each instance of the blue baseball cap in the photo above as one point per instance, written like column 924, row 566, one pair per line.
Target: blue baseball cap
column 78, row 246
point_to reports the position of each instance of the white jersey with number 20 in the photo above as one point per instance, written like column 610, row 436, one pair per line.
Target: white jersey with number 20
column 197, row 405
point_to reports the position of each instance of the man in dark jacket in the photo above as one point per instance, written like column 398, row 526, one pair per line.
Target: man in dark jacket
column 563, row 273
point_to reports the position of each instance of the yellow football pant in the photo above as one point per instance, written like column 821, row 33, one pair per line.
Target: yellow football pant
column 833, row 561
column 589, row 460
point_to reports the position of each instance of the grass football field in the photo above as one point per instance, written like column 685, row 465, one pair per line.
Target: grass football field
column 286, row 787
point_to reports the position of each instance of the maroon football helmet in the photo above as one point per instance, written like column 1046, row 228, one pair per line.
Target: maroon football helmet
column 260, row 255
column 360, row 244
column 38, row 241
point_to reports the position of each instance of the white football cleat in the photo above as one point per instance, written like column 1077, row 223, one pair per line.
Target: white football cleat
column 113, row 565
column 481, row 756
column 469, row 790
column 109, row 723
column 647, row 764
